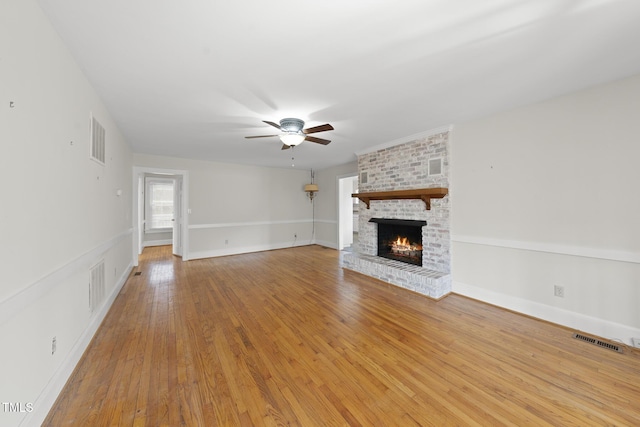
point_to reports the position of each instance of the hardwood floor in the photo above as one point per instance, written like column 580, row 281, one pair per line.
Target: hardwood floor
column 287, row 337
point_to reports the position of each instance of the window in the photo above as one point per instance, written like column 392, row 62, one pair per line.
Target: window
column 159, row 204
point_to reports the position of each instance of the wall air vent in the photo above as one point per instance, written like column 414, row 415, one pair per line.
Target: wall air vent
column 364, row 178
column 435, row 166
column 598, row 342
column 96, row 286
column 97, row 141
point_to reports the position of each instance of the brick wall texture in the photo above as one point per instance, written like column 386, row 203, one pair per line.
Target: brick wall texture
column 405, row 167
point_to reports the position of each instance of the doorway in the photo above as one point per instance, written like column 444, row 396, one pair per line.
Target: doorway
column 159, row 210
column 347, row 212
column 160, row 203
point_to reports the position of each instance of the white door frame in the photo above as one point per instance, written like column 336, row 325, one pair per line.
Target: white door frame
column 138, row 204
column 342, row 199
column 178, row 215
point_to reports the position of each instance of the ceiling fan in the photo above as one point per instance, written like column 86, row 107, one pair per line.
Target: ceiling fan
column 293, row 134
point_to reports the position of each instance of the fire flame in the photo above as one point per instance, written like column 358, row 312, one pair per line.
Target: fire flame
column 402, row 244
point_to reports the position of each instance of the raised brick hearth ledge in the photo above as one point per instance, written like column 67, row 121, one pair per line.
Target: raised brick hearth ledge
column 417, row 279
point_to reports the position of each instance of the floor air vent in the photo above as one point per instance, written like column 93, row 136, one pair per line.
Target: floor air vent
column 597, row 342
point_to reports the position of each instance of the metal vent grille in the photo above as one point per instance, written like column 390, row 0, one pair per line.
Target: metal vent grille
column 435, row 167
column 598, row 342
column 97, row 141
column 96, row 286
column 364, row 178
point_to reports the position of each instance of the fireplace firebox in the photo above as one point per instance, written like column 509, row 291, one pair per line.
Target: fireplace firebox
column 400, row 239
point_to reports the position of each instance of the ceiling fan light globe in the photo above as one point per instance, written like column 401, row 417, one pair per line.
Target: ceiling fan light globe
column 292, row 139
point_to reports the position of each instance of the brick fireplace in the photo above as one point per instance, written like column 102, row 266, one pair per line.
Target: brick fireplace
column 420, row 164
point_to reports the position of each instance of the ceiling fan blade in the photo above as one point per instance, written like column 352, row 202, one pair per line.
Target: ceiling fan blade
column 321, row 128
column 275, row 125
column 285, row 147
column 259, row 136
column 317, row 140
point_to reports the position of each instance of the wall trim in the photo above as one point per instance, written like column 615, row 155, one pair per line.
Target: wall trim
column 246, row 249
column 157, row 243
column 15, row 303
column 327, row 221
column 249, row 223
column 44, row 402
column 326, row 244
column 581, row 322
column 404, row 140
column 554, row 248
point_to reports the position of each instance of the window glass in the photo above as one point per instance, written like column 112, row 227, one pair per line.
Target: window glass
column 160, row 200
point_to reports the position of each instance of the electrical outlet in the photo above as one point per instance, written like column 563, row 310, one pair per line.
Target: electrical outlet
column 558, row 291
column 635, row 342
column 54, row 346
column 226, row 242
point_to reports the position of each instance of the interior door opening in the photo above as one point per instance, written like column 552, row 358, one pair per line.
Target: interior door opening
column 159, row 210
column 160, row 204
column 347, row 212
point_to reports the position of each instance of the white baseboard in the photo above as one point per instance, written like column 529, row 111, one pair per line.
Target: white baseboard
column 246, row 249
column 592, row 325
column 326, row 244
column 150, row 243
column 49, row 394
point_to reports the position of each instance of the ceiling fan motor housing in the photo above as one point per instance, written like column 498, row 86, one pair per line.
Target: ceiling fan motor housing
column 291, row 125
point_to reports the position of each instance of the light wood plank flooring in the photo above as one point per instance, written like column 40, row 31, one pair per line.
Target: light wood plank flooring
column 287, row 337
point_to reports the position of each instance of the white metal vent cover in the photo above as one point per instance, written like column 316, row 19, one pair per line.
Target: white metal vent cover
column 97, row 141
column 96, row 286
column 435, row 166
column 364, row 178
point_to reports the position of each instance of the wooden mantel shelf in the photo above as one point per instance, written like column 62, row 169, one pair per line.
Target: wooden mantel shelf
column 425, row 194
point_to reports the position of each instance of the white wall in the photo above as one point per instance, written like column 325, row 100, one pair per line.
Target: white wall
column 60, row 212
column 549, row 194
column 326, row 202
column 239, row 208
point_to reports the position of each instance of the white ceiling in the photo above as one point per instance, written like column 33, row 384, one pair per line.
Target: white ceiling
column 191, row 78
